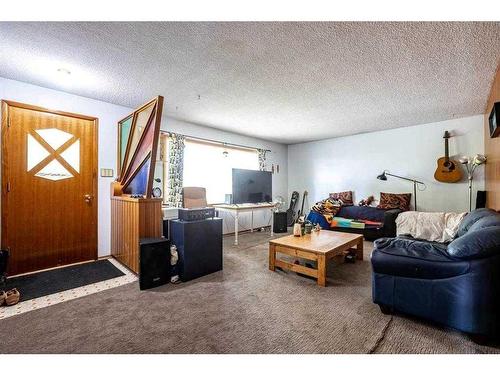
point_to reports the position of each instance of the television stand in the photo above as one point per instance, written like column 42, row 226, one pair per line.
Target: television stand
column 235, row 209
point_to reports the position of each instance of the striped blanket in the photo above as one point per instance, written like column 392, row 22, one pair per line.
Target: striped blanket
column 328, row 207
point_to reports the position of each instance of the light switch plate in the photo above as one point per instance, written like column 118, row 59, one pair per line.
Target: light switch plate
column 106, row 172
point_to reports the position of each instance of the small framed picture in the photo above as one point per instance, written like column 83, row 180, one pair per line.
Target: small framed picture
column 493, row 119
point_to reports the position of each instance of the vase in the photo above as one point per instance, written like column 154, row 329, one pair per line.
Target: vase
column 297, row 230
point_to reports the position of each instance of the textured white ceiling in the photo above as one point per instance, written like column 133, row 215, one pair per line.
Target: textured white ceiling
column 287, row 82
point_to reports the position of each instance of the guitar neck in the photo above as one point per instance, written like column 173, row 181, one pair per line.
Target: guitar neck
column 303, row 201
column 446, row 152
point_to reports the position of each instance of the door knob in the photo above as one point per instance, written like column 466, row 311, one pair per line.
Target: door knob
column 88, row 198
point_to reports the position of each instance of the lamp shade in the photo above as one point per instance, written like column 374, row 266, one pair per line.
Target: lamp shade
column 464, row 160
column 479, row 159
column 382, row 176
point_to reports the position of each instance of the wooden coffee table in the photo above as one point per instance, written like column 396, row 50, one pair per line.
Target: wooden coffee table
column 318, row 246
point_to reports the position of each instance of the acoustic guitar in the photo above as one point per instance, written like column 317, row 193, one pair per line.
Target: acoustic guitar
column 448, row 170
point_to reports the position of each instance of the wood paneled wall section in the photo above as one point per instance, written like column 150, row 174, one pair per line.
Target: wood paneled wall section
column 132, row 219
column 492, row 151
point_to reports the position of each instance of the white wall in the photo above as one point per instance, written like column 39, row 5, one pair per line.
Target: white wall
column 353, row 162
column 108, row 115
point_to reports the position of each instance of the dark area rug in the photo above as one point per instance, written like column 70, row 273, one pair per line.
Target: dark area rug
column 54, row 281
column 243, row 309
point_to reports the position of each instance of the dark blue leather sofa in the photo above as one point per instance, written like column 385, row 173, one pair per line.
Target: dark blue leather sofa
column 455, row 284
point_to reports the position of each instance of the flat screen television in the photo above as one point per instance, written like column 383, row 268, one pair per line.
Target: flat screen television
column 252, row 186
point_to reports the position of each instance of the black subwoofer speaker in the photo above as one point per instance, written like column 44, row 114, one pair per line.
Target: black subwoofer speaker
column 199, row 244
column 481, row 199
column 166, row 226
column 154, row 262
column 279, row 222
column 4, row 257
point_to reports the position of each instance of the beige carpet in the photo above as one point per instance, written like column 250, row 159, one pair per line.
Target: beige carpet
column 244, row 309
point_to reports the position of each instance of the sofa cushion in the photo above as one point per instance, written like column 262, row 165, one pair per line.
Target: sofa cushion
column 389, row 201
column 362, row 213
column 485, row 222
column 475, row 244
column 472, row 217
column 406, row 257
column 410, row 247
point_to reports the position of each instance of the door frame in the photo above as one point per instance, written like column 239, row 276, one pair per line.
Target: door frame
column 5, row 124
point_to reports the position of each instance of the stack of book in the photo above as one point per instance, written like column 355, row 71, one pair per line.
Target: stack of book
column 347, row 223
column 357, row 224
column 341, row 222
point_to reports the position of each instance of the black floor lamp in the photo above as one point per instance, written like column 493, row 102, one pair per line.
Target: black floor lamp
column 384, row 175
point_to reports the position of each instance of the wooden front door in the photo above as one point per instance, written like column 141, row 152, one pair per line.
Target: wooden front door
column 49, row 187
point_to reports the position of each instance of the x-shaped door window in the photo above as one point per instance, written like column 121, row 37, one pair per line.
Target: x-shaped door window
column 53, row 154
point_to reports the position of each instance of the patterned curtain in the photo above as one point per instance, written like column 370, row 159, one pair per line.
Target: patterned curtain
column 175, row 169
column 262, row 159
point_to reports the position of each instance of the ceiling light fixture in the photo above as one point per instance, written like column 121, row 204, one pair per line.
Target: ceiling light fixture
column 64, row 77
column 64, row 71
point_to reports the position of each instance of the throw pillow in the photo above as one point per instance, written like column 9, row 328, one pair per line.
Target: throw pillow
column 389, row 201
column 344, row 196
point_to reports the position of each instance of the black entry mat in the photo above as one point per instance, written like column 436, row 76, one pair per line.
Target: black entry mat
column 54, row 281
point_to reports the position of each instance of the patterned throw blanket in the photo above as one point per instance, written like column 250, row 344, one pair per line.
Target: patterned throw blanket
column 328, row 207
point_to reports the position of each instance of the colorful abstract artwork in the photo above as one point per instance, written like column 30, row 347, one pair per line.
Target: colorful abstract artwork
column 138, row 183
column 138, row 136
column 142, row 121
column 124, row 127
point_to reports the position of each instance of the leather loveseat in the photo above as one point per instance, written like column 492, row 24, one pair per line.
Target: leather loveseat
column 455, row 284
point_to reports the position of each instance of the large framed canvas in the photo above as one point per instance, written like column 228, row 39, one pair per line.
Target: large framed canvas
column 138, row 135
column 124, row 127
